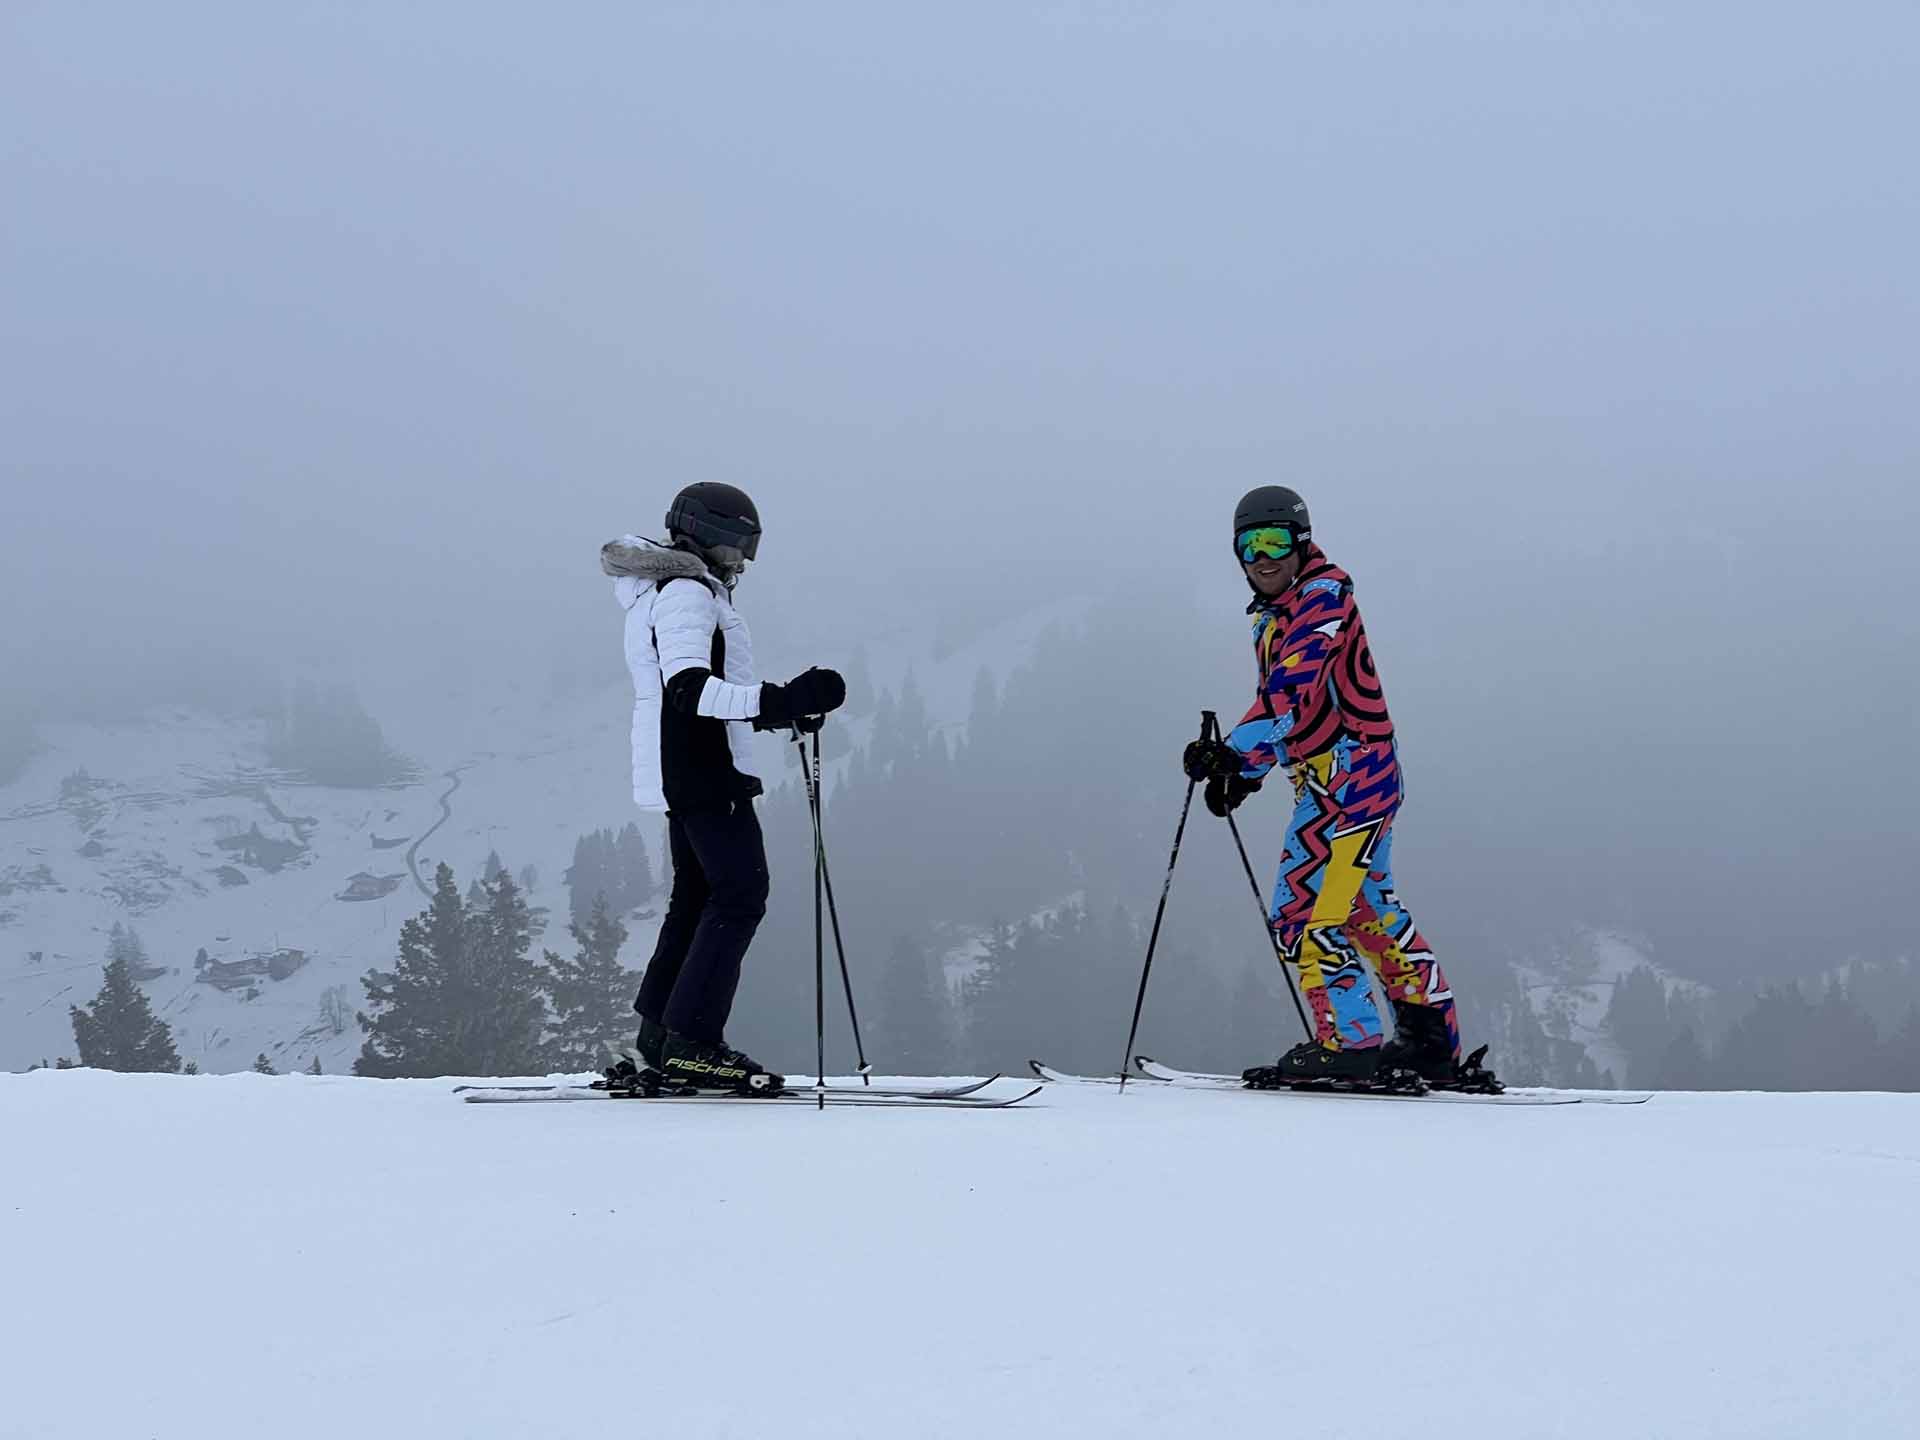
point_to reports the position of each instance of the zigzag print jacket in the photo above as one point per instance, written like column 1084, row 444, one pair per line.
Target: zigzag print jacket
column 1318, row 684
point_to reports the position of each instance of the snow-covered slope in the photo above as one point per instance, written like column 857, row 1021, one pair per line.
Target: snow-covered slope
column 172, row 821
column 225, row 1257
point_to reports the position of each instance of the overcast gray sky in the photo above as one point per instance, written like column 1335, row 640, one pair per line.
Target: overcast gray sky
column 333, row 333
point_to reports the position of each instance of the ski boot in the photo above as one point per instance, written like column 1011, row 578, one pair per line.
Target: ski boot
column 651, row 1042
column 1422, row 1048
column 704, row 1066
column 637, row 1070
column 1312, row 1064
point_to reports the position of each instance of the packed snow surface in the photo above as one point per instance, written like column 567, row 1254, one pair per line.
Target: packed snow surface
column 235, row 1256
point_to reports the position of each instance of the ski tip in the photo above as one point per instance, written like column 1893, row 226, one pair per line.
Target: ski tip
column 1038, row 1069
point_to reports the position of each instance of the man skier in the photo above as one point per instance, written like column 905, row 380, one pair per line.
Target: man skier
column 694, row 693
column 1321, row 712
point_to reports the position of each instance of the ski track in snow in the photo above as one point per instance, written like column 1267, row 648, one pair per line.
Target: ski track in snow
column 316, row 1252
column 446, row 814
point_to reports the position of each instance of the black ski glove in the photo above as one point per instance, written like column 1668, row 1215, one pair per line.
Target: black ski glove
column 1210, row 760
column 815, row 692
column 1225, row 792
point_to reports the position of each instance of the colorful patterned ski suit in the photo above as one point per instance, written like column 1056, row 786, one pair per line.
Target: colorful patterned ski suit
column 1321, row 711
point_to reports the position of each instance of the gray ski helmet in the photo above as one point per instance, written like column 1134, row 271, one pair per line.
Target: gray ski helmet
column 711, row 514
column 1273, row 505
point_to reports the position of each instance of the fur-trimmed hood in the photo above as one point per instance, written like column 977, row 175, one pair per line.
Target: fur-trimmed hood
column 635, row 562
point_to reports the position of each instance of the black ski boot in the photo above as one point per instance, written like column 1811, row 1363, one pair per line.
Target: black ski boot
column 651, row 1042
column 704, row 1065
column 1421, row 1046
column 637, row 1070
column 1311, row 1063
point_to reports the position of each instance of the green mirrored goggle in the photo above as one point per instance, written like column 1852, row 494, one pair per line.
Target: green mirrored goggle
column 1268, row 542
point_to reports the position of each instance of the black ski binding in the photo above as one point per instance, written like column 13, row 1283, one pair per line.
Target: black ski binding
column 1474, row 1078
column 624, row 1080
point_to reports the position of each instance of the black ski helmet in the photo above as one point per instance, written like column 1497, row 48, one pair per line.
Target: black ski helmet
column 1274, row 505
column 709, row 514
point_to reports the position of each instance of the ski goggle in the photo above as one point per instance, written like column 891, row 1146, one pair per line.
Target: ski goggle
column 1267, row 542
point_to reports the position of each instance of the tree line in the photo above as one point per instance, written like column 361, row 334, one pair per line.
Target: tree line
column 1855, row 1029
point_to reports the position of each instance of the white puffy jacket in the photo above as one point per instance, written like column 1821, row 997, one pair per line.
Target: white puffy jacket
column 671, row 629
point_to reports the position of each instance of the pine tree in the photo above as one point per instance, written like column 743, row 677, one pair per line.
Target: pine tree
column 591, row 875
column 262, row 1065
column 412, row 1011
column 1765, row 1049
column 464, row 998
column 327, row 736
column 503, row 1026
column 1684, row 1066
column 1640, row 1024
column 119, row 1031
column 633, row 878
column 591, row 993
column 915, row 1013
column 314, row 1068
column 1043, row 990
column 579, row 902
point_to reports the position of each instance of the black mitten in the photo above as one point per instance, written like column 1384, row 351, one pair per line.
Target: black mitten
column 1210, row 759
column 1226, row 792
column 814, row 692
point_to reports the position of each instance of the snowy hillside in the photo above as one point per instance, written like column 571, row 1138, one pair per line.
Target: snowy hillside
column 1571, row 990
column 174, row 823
column 307, row 1257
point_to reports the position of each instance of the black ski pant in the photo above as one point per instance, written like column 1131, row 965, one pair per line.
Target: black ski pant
column 718, row 900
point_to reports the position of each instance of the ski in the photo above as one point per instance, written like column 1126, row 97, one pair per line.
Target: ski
column 954, row 1092
column 1196, row 1080
column 1530, row 1094
column 1047, row 1072
column 522, row 1095
column 632, row 1056
column 1585, row 1097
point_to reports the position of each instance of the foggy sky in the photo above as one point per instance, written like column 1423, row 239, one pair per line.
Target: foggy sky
column 336, row 337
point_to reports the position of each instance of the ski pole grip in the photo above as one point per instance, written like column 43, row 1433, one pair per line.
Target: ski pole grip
column 1209, row 726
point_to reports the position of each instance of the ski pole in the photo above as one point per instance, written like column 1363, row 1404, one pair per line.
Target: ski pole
column 833, row 914
column 823, row 880
column 1267, row 925
column 820, row 989
column 1207, row 727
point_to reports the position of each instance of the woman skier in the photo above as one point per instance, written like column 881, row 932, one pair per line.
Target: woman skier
column 694, row 693
column 1321, row 712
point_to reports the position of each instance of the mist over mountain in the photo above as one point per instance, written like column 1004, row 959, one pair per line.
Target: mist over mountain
column 339, row 340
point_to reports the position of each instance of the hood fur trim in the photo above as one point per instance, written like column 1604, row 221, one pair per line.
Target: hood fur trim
column 633, row 557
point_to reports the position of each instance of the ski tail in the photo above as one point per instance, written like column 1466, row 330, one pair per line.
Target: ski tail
column 1200, row 1080
column 1067, row 1077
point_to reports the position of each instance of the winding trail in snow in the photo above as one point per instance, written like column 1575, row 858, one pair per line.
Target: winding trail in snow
column 446, row 814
